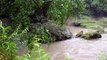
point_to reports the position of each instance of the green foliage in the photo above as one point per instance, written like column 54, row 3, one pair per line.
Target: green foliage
column 45, row 35
column 60, row 10
column 36, row 53
column 88, row 22
column 96, row 7
column 7, row 7
column 41, row 32
column 78, row 6
column 39, row 53
column 92, row 23
column 9, row 41
column 8, row 49
column 19, row 10
column 100, row 4
column 24, row 10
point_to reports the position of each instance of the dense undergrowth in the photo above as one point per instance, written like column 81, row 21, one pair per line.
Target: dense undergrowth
column 21, row 30
column 9, row 45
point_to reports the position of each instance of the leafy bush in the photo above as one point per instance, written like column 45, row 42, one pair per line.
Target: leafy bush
column 35, row 53
column 9, row 44
column 96, row 7
column 100, row 5
column 41, row 32
column 25, row 7
column 7, row 7
column 36, row 48
column 60, row 10
column 8, row 49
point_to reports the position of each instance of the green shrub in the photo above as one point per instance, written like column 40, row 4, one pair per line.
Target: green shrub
column 41, row 32
column 60, row 10
column 35, row 53
column 10, row 39
column 7, row 7
column 96, row 8
column 8, row 49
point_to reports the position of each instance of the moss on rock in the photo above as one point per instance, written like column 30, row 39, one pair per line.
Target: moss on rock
column 79, row 34
column 89, row 35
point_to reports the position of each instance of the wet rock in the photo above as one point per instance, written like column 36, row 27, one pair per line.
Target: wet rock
column 79, row 34
column 89, row 35
column 77, row 24
column 68, row 33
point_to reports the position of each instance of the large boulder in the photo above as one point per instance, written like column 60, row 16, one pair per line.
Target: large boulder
column 57, row 31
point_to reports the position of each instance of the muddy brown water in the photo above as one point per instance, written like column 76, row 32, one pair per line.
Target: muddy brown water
column 77, row 48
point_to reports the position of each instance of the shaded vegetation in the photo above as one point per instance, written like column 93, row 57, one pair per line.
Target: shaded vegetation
column 91, row 23
column 21, row 13
column 28, row 21
column 96, row 8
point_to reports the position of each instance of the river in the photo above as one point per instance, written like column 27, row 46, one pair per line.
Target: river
column 77, row 48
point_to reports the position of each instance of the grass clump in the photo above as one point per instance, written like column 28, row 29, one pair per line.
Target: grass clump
column 92, row 23
column 102, row 56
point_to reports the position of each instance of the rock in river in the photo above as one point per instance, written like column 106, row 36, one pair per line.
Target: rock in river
column 89, row 35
